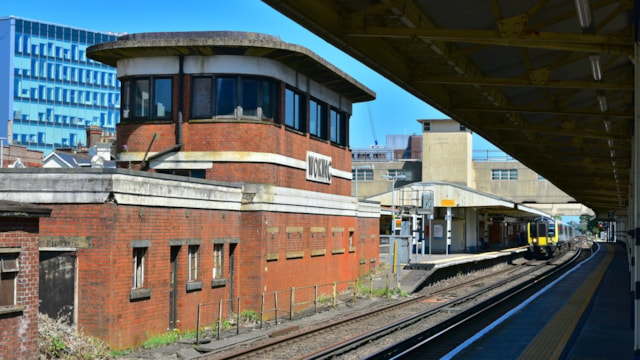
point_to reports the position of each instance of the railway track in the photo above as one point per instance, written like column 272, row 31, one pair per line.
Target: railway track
column 424, row 315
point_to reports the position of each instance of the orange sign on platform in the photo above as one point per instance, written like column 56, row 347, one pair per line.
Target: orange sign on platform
column 447, row 202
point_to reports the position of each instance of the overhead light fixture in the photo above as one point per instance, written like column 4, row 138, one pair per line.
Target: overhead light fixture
column 607, row 125
column 595, row 67
column 583, row 7
column 602, row 101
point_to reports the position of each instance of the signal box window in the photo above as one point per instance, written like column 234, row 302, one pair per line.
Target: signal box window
column 294, row 112
column 233, row 97
column 226, row 97
column 338, row 127
column 318, row 119
column 147, row 98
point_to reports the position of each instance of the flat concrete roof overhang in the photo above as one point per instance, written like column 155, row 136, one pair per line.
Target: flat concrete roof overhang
column 548, row 82
column 212, row 43
column 454, row 195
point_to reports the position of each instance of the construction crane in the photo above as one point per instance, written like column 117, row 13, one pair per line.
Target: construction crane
column 373, row 127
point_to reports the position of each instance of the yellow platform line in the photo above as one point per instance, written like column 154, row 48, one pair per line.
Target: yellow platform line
column 552, row 340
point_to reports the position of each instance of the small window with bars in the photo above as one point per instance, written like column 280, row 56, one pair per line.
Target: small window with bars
column 504, row 174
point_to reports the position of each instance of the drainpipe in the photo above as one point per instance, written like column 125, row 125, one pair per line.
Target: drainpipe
column 180, row 98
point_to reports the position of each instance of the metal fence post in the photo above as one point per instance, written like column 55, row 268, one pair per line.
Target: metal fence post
column 262, row 311
column 292, row 302
column 238, row 318
column 355, row 292
column 198, row 327
column 315, row 298
column 371, row 288
column 386, row 289
column 335, row 295
column 275, row 295
column 219, row 319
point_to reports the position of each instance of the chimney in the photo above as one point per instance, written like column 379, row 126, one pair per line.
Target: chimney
column 94, row 133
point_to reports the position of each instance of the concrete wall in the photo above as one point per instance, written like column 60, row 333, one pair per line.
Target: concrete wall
column 378, row 184
column 527, row 188
column 447, row 153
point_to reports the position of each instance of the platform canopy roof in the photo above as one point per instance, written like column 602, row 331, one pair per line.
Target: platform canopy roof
column 550, row 82
column 443, row 194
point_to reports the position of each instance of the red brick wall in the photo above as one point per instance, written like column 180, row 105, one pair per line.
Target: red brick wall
column 242, row 136
column 105, row 268
column 266, row 276
column 19, row 330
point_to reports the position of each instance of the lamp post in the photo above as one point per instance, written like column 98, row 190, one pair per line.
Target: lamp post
column 393, row 179
column 356, row 168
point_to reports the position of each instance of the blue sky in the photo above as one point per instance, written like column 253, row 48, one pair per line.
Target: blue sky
column 393, row 112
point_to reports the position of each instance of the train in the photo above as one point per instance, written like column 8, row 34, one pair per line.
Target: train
column 547, row 237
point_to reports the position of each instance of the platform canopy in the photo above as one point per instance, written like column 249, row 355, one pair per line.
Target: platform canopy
column 441, row 194
column 550, row 82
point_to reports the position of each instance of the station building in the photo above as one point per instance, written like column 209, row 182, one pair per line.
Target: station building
column 19, row 240
column 233, row 180
column 476, row 201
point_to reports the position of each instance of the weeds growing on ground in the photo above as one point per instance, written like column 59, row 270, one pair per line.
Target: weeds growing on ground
column 59, row 340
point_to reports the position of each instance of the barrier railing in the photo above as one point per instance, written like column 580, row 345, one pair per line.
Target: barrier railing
column 291, row 302
column 219, row 319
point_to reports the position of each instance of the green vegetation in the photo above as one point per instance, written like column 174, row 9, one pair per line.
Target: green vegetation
column 162, row 339
column 249, row 316
column 59, row 340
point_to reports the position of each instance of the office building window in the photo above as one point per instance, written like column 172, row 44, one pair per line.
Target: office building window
column 363, row 175
column 408, row 174
column 504, row 174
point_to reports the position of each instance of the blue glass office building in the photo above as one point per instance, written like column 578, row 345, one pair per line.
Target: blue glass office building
column 49, row 90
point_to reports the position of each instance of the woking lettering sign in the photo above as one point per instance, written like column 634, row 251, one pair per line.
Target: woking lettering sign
column 318, row 167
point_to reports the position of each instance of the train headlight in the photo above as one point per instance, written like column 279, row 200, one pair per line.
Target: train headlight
column 534, row 240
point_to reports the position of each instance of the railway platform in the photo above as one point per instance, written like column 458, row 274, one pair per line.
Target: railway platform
column 585, row 314
column 421, row 267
